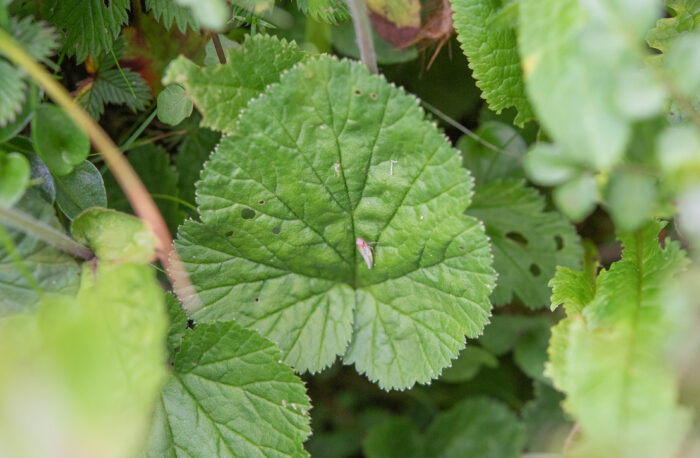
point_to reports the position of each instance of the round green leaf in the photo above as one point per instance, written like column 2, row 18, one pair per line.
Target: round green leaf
column 285, row 197
column 173, row 105
column 80, row 189
column 14, row 177
column 59, row 142
column 577, row 198
column 630, row 198
column 114, row 236
column 547, row 165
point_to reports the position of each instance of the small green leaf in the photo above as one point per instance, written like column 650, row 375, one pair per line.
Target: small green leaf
column 684, row 17
column 678, row 154
column 89, row 26
column 114, row 236
column 229, row 395
column 394, row 438
column 468, row 364
column 328, row 11
column 59, row 142
column 114, row 86
column 351, row 156
column 475, row 427
column 528, row 242
column 547, row 165
column 210, row 14
column 80, row 189
column 12, row 93
column 89, row 368
column 492, row 50
column 630, row 198
column 37, row 38
column 14, row 177
column 52, row 270
column 173, row 105
column 577, row 198
column 221, row 92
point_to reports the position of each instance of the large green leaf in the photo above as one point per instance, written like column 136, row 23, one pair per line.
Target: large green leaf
column 475, row 427
column 220, row 92
column 685, row 18
column 489, row 42
column 585, row 75
column 88, row 369
column 88, row 26
column 610, row 360
column 58, row 140
column 528, row 242
column 283, row 200
column 229, row 395
column 52, row 270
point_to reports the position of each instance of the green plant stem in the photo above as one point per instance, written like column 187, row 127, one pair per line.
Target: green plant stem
column 133, row 188
column 43, row 231
column 219, row 49
column 127, row 144
column 363, row 33
column 176, row 200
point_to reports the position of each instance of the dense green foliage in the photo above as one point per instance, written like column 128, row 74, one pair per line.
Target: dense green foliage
column 526, row 287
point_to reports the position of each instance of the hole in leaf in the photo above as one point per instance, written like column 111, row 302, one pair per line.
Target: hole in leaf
column 247, row 213
column 517, row 237
column 276, row 230
column 257, row 299
column 534, row 270
column 461, row 248
column 190, row 324
column 358, row 92
column 228, row 234
column 559, row 241
column 373, row 96
column 261, row 202
column 106, row 2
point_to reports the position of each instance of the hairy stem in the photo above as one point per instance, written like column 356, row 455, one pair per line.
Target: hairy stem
column 133, row 188
column 363, row 33
column 39, row 229
column 219, row 49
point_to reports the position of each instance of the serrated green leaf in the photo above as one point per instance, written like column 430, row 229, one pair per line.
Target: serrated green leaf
column 12, row 128
column 230, row 396
column 177, row 324
column 350, row 157
column 12, row 93
column 125, row 87
column 328, row 11
column 89, row 26
column 686, row 18
column 610, row 361
column 492, row 50
column 486, row 164
column 194, row 150
column 89, row 368
column 168, row 11
column 393, row 438
column 53, row 270
column 221, row 92
column 14, row 177
column 37, row 38
column 152, row 164
column 114, row 236
column 475, row 427
column 173, row 105
column 528, row 242
column 80, row 189
column 57, row 140
column 576, row 61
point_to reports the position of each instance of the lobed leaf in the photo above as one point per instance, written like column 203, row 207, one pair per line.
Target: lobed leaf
column 283, row 199
column 112, row 86
column 685, row 18
column 491, row 47
column 221, row 92
column 168, row 11
column 229, row 395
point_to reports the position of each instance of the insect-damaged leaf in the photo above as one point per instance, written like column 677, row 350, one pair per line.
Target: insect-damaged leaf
column 283, row 200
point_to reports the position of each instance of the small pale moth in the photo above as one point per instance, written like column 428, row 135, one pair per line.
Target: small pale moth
column 365, row 251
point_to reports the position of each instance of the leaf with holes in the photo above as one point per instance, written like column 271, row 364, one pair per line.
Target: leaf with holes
column 283, row 200
column 220, row 92
column 489, row 42
column 228, row 396
column 528, row 242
